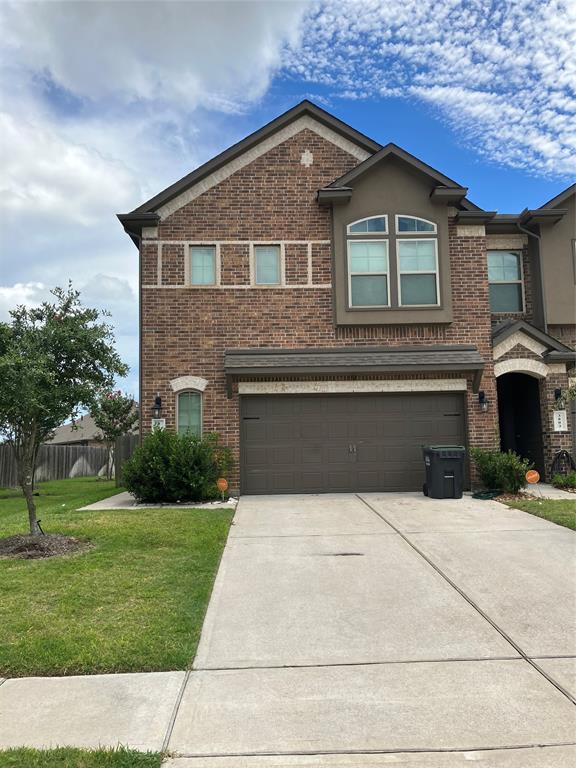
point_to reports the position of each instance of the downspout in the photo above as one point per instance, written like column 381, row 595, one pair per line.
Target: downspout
column 540, row 270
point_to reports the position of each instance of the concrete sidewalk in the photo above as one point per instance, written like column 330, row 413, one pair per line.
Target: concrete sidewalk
column 352, row 631
column 125, row 500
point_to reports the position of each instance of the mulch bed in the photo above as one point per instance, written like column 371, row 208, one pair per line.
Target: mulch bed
column 26, row 547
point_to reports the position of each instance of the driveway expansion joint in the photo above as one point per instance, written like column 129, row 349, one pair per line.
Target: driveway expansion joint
column 375, row 751
column 471, row 602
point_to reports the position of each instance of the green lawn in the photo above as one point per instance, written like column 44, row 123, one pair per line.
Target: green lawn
column 135, row 602
column 559, row 511
column 66, row 757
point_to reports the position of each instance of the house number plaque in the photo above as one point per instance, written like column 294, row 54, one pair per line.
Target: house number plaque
column 560, row 420
column 158, row 424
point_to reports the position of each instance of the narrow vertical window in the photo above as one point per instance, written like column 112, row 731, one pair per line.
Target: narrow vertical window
column 418, row 272
column 190, row 413
column 267, row 264
column 368, row 273
column 505, row 280
column 203, row 264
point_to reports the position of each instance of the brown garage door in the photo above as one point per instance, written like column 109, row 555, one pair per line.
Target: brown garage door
column 323, row 443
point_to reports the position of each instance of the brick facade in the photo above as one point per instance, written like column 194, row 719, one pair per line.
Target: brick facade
column 185, row 330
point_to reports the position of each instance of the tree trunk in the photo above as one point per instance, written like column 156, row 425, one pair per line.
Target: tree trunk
column 28, row 491
column 110, row 461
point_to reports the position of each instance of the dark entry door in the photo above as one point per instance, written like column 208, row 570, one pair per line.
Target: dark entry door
column 519, row 416
column 339, row 443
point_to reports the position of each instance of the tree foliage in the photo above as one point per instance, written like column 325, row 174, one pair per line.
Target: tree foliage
column 115, row 414
column 54, row 359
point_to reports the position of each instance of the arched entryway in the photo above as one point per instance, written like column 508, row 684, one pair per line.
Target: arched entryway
column 519, row 417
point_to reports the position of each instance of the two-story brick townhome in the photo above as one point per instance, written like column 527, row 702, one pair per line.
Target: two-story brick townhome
column 329, row 305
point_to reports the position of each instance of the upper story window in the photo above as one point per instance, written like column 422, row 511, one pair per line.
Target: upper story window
column 267, row 260
column 417, row 272
column 413, row 224
column 505, row 281
column 375, row 224
column 368, row 273
column 203, row 264
column 396, row 270
column 189, row 413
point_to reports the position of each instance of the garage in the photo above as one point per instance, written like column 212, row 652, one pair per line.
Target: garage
column 343, row 442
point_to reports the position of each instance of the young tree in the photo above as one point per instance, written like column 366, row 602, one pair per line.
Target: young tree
column 115, row 415
column 54, row 359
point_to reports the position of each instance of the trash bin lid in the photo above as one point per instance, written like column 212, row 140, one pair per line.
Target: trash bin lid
column 445, row 448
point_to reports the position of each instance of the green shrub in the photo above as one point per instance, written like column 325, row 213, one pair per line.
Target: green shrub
column 565, row 481
column 501, row 471
column 168, row 468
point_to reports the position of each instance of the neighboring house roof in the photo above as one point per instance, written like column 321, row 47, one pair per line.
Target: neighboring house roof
column 85, row 429
column 257, row 362
column 561, row 197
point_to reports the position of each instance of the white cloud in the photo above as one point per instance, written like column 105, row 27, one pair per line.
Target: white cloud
column 219, row 55
column 503, row 76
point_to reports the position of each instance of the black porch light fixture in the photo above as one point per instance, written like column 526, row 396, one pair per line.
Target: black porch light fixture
column 557, row 394
column 157, row 407
column 483, row 401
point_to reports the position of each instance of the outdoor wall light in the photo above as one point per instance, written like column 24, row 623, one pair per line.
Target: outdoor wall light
column 483, row 401
column 557, row 394
column 157, row 407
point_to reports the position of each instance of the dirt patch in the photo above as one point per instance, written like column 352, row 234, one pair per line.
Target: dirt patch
column 520, row 496
column 26, row 547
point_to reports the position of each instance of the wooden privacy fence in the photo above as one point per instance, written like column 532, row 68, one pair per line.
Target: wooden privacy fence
column 56, row 462
column 124, row 448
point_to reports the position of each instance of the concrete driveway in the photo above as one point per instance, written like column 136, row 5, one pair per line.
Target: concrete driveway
column 385, row 629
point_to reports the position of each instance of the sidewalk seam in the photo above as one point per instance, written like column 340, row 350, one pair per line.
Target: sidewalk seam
column 175, row 711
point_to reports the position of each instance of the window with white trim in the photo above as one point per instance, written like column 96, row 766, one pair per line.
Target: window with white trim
column 189, row 413
column 267, row 265
column 203, row 264
column 368, row 270
column 370, row 225
column 406, row 225
column 505, row 281
column 417, row 272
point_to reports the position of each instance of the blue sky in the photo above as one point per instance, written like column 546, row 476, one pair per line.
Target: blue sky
column 106, row 103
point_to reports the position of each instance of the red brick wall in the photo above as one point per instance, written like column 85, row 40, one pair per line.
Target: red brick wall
column 185, row 331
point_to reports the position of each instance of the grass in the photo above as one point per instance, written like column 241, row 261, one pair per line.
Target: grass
column 559, row 511
column 66, row 757
column 135, row 602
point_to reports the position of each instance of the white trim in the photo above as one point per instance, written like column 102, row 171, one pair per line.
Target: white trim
column 149, row 233
column 368, row 274
column 401, row 272
column 522, row 365
column 559, row 368
column 369, row 218
column 520, row 255
column 177, row 406
column 243, row 286
column 505, row 242
column 335, row 387
column 518, row 338
column 417, row 218
column 257, row 151
column 182, row 383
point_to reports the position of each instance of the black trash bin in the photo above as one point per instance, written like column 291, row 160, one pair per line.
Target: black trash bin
column 444, row 471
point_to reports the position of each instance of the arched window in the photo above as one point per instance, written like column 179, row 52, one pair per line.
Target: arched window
column 189, row 413
column 372, row 224
column 407, row 224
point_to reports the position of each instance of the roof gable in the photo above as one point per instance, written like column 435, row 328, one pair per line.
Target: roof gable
column 303, row 115
column 393, row 151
